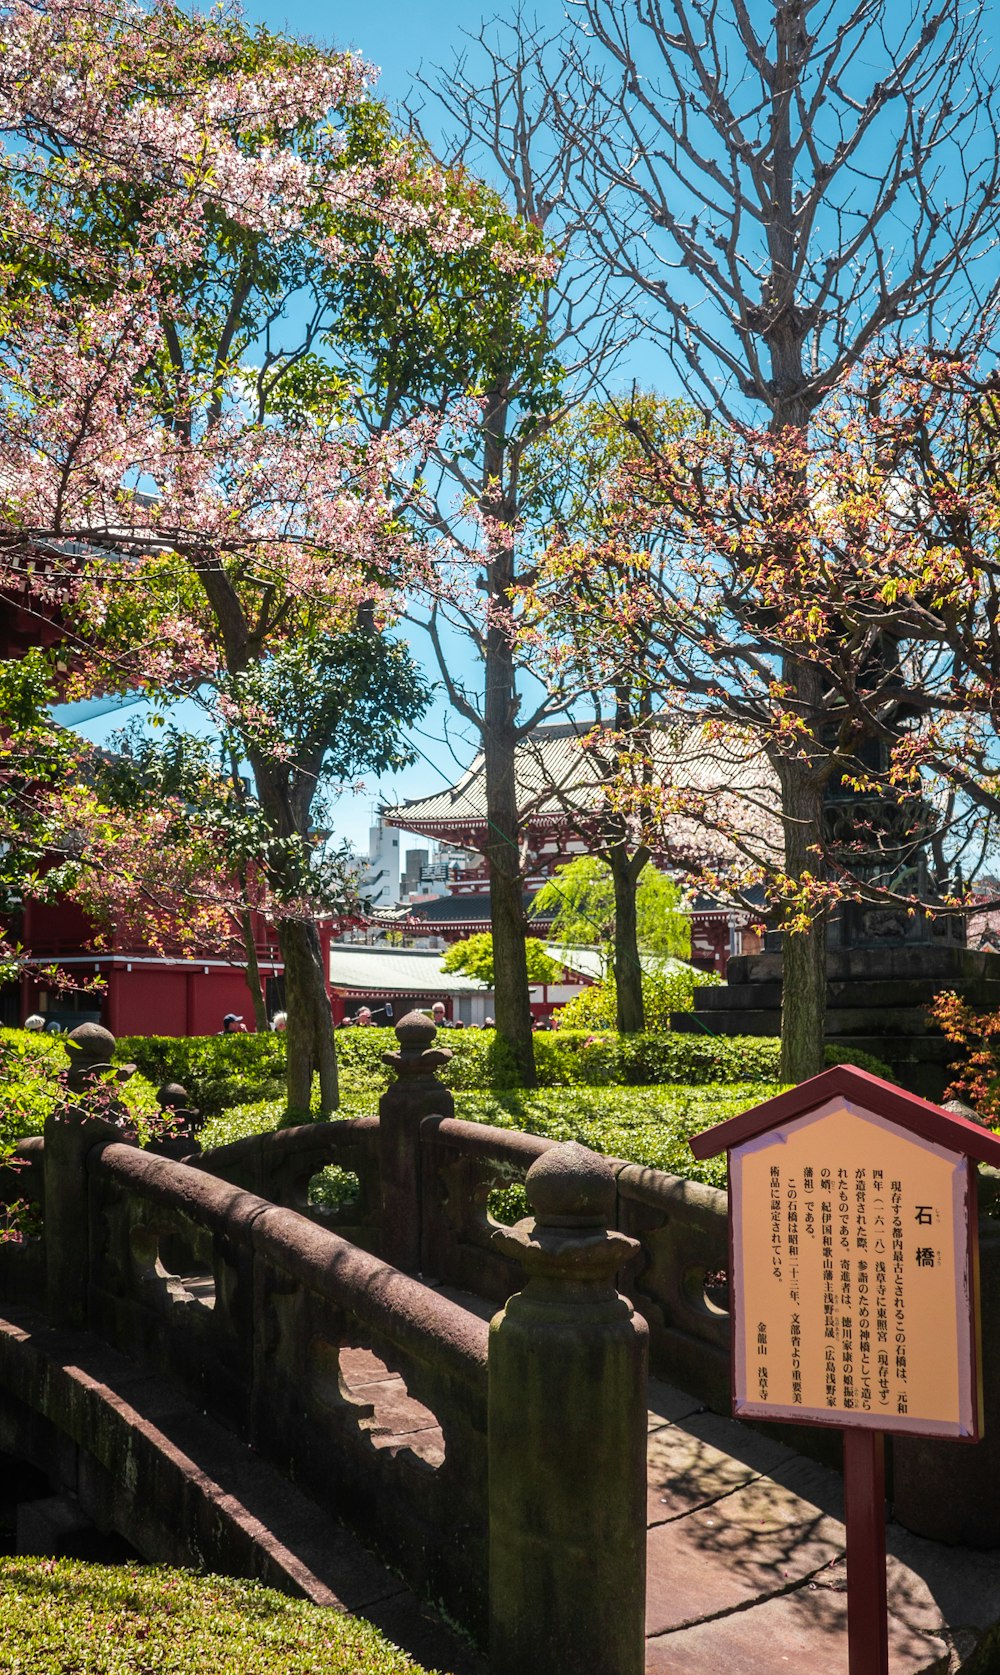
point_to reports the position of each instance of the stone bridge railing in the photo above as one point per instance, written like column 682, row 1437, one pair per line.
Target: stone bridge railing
column 252, row 1310
column 216, row 1271
column 197, row 1268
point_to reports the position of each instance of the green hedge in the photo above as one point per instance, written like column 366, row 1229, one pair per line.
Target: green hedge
column 573, row 1059
column 480, row 1057
column 217, row 1070
column 220, row 1071
column 108, row 1620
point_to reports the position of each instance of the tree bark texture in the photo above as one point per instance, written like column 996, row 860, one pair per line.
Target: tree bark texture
column 285, row 798
column 803, row 993
column 253, row 971
column 309, row 1030
column 629, row 1011
column 510, row 967
column 500, row 737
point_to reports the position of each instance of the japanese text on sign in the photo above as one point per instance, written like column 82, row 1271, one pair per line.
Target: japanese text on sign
column 852, row 1290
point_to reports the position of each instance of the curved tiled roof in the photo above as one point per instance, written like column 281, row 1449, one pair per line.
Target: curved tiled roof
column 547, row 765
column 714, row 782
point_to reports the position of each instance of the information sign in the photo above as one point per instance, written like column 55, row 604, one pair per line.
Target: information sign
column 853, row 1292
column 854, row 1282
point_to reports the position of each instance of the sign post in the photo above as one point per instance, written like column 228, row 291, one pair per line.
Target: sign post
column 854, row 1288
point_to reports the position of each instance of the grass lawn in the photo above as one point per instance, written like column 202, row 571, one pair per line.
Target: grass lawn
column 60, row 1617
column 648, row 1125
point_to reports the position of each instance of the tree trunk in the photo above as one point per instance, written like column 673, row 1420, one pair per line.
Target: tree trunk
column 510, row 964
column 253, row 972
column 503, row 847
column 803, row 993
column 309, row 1031
column 629, row 1012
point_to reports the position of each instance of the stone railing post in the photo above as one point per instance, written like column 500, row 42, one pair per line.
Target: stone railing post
column 69, row 1136
column 567, row 1436
column 415, row 1094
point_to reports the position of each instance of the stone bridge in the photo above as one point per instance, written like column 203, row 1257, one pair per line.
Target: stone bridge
column 204, row 1361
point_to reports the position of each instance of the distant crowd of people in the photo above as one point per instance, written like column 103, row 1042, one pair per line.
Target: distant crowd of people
column 364, row 1016
column 233, row 1024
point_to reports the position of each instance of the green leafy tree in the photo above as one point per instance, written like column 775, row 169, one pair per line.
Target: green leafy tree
column 474, row 956
column 582, row 899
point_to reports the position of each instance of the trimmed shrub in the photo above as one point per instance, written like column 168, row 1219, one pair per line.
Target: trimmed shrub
column 218, row 1071
column 582, row 1058
column 567, row 1058
column 480, row 1057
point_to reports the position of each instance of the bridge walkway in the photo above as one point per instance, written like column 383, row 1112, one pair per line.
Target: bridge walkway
column 182, row 1489
column 746, row 1544
column 746, row 1572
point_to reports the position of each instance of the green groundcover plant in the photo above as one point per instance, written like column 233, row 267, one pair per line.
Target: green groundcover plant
column 61, row 1617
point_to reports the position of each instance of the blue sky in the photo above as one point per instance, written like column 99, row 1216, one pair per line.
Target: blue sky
column 395, row 35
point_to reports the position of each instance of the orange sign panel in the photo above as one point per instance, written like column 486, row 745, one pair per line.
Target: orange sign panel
column 852, row 1276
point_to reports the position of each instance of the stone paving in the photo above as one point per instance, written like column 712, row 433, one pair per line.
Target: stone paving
column 746, row 1563
column 746, row 1570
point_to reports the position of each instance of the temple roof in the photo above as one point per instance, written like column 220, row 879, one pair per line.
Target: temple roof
column 468, row 906
column 711, row 782
column 547, row 767
column 387, row 971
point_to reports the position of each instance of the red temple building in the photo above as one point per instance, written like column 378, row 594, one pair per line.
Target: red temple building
column 560, row 795
column 141, row 992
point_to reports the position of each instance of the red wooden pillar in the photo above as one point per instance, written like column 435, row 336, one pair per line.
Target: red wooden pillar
column 112, row 1007
column 864, row 1516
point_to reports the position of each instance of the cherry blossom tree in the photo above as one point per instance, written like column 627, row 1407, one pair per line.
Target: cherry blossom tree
column 725, row 561
column 213, row 522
